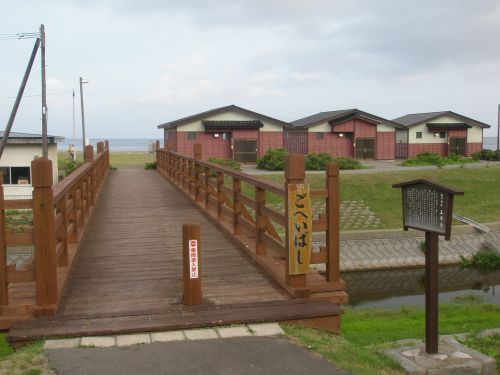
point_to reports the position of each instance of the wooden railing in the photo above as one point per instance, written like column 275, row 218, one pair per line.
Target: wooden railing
column 60, row 214
column 219, row 193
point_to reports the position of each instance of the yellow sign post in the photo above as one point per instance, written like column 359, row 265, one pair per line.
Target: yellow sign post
column 299, row 228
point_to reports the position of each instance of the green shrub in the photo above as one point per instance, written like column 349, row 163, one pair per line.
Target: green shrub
column 487, row 155
column 347, row 163
column 273, row 160
column 484, row 260
column 150, row 165
column 70, row 166
column 476, row 156
column 317, row 161
column 227, row 163
column 430, row 158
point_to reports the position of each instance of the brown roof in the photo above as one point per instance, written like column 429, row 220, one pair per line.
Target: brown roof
column 340, row 115
column 202, row 115
column 417, row 118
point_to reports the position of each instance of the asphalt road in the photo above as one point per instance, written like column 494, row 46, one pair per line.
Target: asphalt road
column 238, row 356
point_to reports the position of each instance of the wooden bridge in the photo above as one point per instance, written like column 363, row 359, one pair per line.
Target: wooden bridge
column 108, row 257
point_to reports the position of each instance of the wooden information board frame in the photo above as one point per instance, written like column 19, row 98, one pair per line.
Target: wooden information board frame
column 428, row 206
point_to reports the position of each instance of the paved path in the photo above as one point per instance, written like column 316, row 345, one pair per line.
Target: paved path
column 382, row 166
column 238, row 356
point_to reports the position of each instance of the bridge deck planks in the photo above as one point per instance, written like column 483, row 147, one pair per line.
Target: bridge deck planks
column 131, row 255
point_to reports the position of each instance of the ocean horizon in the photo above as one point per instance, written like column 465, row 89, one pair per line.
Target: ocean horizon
column 142, row 144
column 118, row 144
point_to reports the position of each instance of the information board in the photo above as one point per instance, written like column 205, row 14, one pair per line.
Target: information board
column 426, row 208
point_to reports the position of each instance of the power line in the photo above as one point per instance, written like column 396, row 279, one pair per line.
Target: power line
column 37, row 95
column 19, row 36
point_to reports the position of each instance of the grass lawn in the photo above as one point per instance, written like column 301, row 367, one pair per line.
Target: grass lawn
column 481, row 201
column 116, row 158
column 365, row 331
column 5, row 349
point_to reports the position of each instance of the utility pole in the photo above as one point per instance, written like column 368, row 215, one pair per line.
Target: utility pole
column 74, row 128
column 498, row 129
column 45, row 151
column 83, row 112
column 19, row 97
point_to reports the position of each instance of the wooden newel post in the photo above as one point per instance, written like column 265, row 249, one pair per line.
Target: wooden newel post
column 44, row 236
column 100, row 147
column 333, row 222
column 295, row 173
column 106, row 144
column 191, row 264
column 89, row 154
column 157, row 145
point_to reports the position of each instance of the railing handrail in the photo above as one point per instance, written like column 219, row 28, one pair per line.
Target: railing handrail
column 252, row 222
column 67, row 183
column 266, row 185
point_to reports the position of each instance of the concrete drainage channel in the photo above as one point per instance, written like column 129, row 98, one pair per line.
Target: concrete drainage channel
column 263, row 329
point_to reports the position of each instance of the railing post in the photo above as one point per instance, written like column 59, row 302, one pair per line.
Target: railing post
column 190, row 176
column 89, row 158
column 73, row 218
column 191, row 264
column 62, row 235
column 295, row 173
column 157, row 145
column 206, row 172
column 260, row 220
column 333, row 223
column 44, row 236
column 4, row 286
column 100, row 147
column 236, row 206
column 220, row 184
column 197, row 171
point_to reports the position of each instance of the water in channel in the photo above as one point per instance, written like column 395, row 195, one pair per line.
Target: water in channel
column 405, row 287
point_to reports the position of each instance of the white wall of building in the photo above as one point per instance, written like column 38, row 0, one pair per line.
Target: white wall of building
column 197, row 126
column 474, row 134
column 21, row 155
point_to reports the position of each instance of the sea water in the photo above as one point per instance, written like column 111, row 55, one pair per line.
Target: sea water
column 129, row 144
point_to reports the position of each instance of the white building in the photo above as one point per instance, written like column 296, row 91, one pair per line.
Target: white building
column 15, row 164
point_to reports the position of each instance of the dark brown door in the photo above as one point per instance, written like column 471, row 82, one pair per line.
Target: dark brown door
column 365, row 148
column 245, row 150
column 457, row 146
column 401, row 150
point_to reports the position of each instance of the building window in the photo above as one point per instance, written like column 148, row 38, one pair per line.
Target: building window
column 442, row 134
column 191, row 135
column 320, row 135
column 16, row 175
column 419, row 135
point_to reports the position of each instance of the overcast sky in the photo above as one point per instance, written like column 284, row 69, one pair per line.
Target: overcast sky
column 153, row 61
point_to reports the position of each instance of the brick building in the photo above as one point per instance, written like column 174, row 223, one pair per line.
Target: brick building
column 233, row 132
column 348, row 132
column 229, row 132
column 444, row 133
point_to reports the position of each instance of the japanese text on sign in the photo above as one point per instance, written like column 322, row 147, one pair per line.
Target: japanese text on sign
column 299, row 228
column 426, row 208
column 193, row 259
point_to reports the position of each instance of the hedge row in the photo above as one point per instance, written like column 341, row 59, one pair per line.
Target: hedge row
column 274, row 160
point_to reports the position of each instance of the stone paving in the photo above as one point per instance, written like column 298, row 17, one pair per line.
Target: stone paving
column 397, row 249
column 354, row 215
column 452, row 358
column 247, row 330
